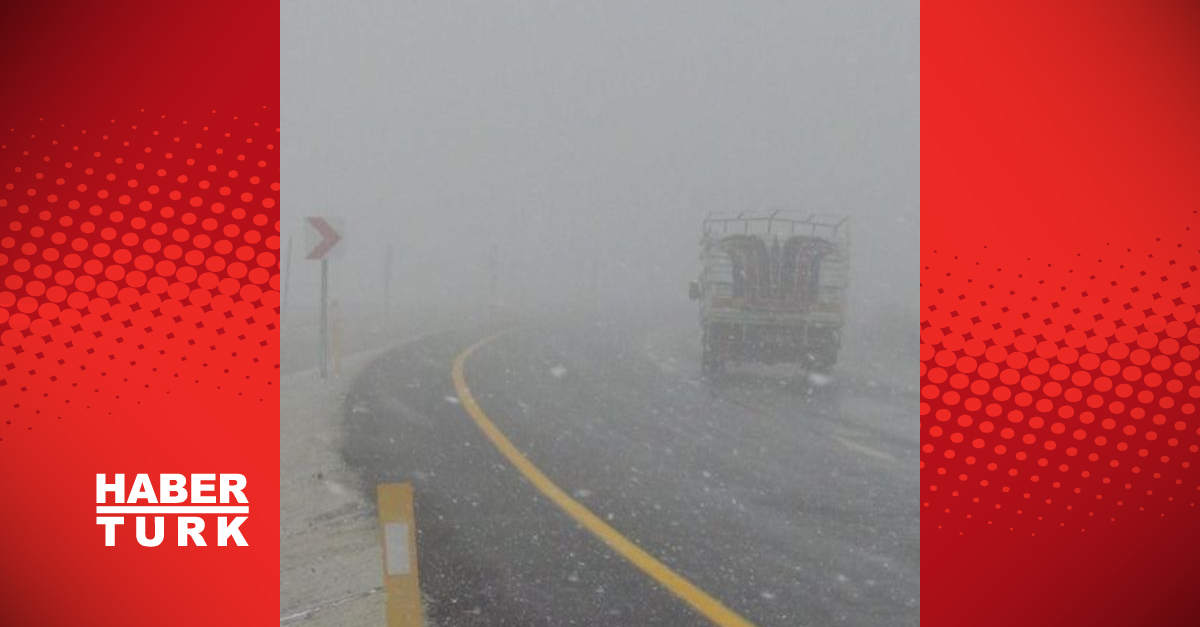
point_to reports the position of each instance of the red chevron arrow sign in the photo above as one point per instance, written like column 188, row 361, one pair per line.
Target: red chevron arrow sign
column 323, row 237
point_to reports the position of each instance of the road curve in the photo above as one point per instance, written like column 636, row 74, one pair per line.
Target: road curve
column 784, row 502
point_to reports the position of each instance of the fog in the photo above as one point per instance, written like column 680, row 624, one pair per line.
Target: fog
column 566, row 153
column 584, row 142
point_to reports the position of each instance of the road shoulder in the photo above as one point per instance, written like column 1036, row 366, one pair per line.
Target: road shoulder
column 329, row 564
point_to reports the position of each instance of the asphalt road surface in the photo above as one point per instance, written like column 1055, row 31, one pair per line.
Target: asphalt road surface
column 789, row 501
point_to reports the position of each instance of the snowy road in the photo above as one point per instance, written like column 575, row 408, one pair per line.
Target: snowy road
column 792, row 504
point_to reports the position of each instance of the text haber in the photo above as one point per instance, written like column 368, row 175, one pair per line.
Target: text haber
column 209, row 494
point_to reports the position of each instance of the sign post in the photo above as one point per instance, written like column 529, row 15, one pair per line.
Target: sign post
column 326, row 238
column 323, row 353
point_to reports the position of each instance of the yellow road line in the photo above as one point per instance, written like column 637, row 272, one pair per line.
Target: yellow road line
column 398, row 536
column 706, row 605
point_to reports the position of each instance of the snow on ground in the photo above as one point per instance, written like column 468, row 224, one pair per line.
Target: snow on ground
column 329, row 556
column 330, row 561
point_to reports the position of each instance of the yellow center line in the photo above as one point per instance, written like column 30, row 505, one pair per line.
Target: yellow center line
column 706, row 605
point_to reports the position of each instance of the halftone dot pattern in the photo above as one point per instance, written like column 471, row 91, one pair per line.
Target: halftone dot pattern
column 1060, row 397
column 138, row 257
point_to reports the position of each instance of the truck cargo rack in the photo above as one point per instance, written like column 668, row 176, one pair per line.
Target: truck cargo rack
column 779, row 222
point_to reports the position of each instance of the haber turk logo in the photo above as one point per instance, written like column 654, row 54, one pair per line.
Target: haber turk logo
column 181, row 497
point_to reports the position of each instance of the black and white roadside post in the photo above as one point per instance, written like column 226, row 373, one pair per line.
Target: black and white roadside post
column 387, row 284
column 493, row 282
column 287, row 277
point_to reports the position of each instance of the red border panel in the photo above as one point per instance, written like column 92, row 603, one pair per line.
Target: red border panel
column 139, row 277
column 1060, row 284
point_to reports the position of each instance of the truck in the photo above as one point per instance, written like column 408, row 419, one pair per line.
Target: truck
column 771, row 289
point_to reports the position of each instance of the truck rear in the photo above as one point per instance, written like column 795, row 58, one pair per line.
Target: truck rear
column 772, row 289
